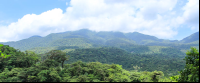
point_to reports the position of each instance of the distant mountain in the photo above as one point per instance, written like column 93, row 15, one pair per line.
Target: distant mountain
column 191, row 38
column 85, row 38
column 110, row 35
column 139, row 37
column 36, row 36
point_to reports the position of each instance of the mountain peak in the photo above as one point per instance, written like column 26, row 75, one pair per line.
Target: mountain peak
column 191, row 38
column 35, row 36
column 84, row 30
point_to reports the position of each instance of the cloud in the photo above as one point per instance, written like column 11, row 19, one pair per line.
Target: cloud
column 152, row 17
column 191, row 14
column 32, row 24
column 152, row 8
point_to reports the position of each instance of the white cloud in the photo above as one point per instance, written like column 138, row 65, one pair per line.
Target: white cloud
column 151, row 8
column 32, row 24
column 152, row 17
column 191, row 14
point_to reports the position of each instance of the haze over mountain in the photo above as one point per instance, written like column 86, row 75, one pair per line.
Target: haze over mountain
column 85, row 38
column 191, row 38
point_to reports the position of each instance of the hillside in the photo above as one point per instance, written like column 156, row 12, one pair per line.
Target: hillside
column 85, row 38
column 138, row 37
column 162, row 61
column 191, row 38
column 104, row 64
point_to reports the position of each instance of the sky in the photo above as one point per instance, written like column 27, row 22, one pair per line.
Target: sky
column 164, row 19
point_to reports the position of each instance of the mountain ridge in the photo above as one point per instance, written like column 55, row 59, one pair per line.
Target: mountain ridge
column 92, row 38
column 193, row 37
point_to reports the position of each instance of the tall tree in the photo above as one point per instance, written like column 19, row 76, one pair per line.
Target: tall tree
column 58, row 56
column 191, row 71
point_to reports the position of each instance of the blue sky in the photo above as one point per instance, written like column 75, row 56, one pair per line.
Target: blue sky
column 164, row 19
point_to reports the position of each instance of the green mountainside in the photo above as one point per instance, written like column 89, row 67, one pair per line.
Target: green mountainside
column 58, row 66
column 191, row 38
column 168, row 60
column 85, row 39
column 139, row 38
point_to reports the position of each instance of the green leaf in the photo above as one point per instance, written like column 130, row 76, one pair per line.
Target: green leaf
column 2, row 54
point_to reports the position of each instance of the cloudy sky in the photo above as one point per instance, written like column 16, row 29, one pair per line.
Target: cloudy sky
column 165, row 19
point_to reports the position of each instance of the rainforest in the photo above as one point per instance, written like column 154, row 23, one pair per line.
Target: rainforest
column 87, row 56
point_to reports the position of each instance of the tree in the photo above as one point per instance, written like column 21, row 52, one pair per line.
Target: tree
column 191, row 71
column 50, row 75
column 32, row 55
column 2, row 54
column 58, row 56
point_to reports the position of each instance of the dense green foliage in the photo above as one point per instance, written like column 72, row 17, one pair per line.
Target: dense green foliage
column 169, row 64
column 30, row 67
column 178, row 46
column 2, row 55
column 16, row 58
column 119, row 42
column 191, row 71
column 144, row 49
column 99, row 57
column 48, row 70
column 138, row 37
column 86, row 39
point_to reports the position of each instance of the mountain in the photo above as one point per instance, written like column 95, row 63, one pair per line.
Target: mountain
column 139, row 37
column 191, row 38
column 149, row 62
column 85, row 38
column 69, row 38
column 81, row 38
column 127, row 49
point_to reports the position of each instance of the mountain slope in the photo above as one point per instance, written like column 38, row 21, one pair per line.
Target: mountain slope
column 191, row 38
column 148, row 62
column 138, row 37
column 85, row 38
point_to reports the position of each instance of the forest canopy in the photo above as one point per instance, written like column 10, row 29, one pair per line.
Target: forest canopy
column 17, row 66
